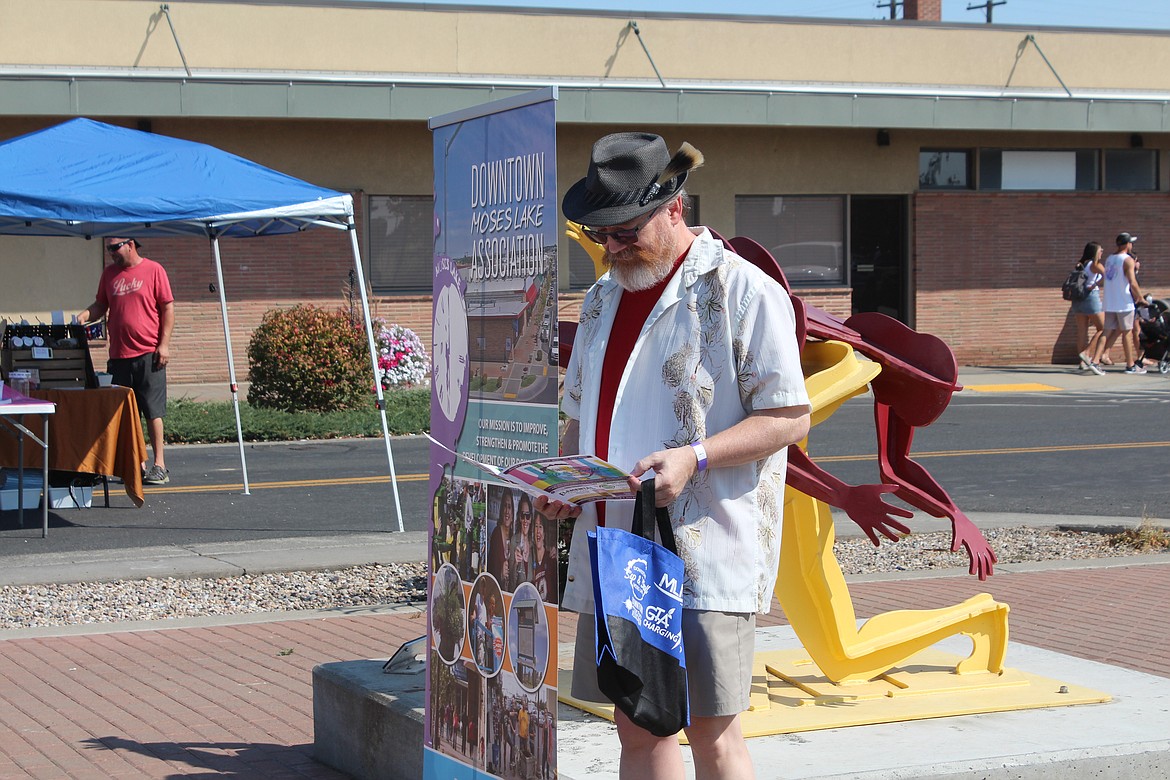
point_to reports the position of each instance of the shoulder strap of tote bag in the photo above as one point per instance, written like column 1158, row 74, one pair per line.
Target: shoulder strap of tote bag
column 646, row 516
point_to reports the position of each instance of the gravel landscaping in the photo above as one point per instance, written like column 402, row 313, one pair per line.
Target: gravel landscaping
column 377, row 584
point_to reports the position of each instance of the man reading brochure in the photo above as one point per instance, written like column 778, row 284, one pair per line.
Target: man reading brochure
column 685, row 365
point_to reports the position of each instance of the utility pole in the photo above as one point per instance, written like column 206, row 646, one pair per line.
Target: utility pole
column 988, row 5
column 892, row 5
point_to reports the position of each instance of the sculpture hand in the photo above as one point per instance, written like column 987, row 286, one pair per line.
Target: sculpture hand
column 865, row 506
column 965, row 534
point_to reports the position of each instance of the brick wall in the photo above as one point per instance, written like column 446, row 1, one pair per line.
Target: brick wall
column 988, row 266
column 987, row 271
column 837, row 301
column 282, row 271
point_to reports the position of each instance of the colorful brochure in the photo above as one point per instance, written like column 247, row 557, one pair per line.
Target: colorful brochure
column 574, row 479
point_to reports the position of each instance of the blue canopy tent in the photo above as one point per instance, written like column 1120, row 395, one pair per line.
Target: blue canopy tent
column 87, row 179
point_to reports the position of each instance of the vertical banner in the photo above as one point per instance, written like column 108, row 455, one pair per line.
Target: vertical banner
column 491, row 664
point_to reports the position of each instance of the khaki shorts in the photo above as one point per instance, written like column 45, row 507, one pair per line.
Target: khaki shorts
column 1119, row 320
column 720, row 648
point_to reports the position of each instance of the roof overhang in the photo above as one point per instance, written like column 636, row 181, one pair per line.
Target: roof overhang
column 389, row 97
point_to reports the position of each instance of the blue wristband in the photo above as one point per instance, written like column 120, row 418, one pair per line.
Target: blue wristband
column 700, row 455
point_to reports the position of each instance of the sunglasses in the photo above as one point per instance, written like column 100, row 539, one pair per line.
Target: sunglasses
column 111, row 248
column 623, row 236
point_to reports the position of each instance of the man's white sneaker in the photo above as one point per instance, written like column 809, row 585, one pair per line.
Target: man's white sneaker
column 1096, row 369
column 1135, row 369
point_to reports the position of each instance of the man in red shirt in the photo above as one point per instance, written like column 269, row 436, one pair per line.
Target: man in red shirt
column 136, row 294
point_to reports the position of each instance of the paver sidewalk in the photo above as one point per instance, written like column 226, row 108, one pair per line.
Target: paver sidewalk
column 234, row 699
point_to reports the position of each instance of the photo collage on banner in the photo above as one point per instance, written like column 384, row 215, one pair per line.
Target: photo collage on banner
column 492, row 662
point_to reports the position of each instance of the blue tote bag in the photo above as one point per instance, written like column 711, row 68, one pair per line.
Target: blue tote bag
column 637, row 587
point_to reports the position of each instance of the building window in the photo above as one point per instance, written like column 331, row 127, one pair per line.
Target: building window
column 1008, row 169
column 402, row 243
column 1131, row 169
column 944, row 169
column 806, row 234
column 1082, row 170
column 581, row 272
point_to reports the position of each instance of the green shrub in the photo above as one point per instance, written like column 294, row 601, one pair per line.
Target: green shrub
column 309, row 359
column 408, row 410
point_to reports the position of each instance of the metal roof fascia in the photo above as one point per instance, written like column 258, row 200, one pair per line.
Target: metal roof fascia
column 699, row 108
column 1128, row 117
column 1050, row 114
column 806, row 110
column 972, row 114
column 805, row 106
column 201, row 98
column 903, row 112
column 409, row 102
column 119, row 98
column 339, row 101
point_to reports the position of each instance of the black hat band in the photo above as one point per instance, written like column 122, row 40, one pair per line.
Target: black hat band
column 642, row 197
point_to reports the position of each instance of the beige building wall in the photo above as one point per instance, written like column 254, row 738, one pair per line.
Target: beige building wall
column 43, row 275
column 336, row 38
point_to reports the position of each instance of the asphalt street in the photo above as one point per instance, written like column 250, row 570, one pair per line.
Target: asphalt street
column 1068, row 452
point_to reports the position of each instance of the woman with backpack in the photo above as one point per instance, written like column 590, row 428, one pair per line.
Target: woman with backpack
column 1089, row 309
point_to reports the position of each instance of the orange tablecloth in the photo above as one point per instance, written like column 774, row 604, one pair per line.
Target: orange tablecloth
column 93, row 431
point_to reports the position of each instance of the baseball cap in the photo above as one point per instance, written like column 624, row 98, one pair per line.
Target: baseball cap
column 1125, row 238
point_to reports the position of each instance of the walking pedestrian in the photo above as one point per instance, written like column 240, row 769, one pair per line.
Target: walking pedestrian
column 1089, row 311
column 1121, row 292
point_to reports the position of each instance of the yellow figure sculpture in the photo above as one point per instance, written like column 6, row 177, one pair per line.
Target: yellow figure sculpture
column 812, row 590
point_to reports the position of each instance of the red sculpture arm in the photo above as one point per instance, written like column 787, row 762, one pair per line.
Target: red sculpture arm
column 916, row 487
column 918, row 377
column 863, row 503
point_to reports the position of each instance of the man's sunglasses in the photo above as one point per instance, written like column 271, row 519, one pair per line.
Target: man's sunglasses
column 115, row 247
column 624, row 236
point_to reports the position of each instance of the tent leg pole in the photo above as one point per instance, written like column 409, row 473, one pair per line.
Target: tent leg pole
column 227, row 337
column 357, row 264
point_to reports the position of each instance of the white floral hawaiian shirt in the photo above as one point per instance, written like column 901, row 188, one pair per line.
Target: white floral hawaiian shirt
column 719, row 344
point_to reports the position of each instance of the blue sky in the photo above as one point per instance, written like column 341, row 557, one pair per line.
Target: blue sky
column 1138, row 14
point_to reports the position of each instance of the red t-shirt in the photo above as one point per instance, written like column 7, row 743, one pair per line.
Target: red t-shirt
column 632, row 311
column 134, row 298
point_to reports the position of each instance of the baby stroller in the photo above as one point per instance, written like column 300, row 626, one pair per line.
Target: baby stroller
column 1154, row 336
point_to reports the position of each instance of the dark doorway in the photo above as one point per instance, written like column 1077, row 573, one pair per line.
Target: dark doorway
column 877, row 254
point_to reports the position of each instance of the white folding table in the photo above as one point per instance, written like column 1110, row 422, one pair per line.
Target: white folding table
column 13, row 406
